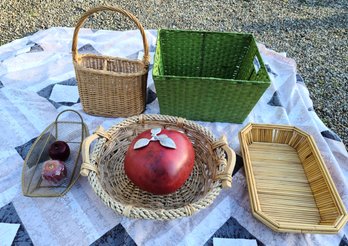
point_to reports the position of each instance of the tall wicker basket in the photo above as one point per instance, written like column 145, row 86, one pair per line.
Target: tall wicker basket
column 111, row 86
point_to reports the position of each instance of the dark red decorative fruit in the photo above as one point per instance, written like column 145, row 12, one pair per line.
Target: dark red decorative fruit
column 54, row 171
column 159, row 160
column 59, row 150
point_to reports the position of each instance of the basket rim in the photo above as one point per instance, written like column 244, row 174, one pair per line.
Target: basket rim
column 161, row 214
column 204, row 31
column 163, row 77
column 158, row 76
column 79, row 67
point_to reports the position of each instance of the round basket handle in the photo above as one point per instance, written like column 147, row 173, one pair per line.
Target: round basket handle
column 86, row 166
column 83, row 18
column 226, row 176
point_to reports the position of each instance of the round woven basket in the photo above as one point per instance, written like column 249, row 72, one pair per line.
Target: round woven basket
column 214, row 163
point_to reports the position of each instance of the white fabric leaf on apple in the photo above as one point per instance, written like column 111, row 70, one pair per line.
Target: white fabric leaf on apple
column 141, row 143
column 167, row 142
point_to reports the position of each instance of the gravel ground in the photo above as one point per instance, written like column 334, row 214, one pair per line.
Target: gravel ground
column 314, row 33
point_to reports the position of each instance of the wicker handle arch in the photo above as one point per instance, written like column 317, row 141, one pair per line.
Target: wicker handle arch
column 86, row 166
column 82, row 20
column 226, row 175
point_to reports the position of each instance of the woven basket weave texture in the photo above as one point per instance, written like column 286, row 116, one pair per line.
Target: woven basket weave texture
column 212, row 170
column 208, row 76
column 111, row 86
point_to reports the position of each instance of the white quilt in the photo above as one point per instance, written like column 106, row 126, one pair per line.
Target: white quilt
column 37, row 81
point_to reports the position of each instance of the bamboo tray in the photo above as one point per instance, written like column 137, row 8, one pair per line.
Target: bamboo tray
column 290, row 188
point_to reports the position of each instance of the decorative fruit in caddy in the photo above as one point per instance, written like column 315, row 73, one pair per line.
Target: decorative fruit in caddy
column 54, row 171
column 159, row 160
column 59, row 150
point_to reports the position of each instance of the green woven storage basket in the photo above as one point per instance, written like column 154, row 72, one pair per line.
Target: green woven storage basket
column 208, row 76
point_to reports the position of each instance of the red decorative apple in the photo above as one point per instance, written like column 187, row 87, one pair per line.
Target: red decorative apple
column 59, row 150
column 159, row 160
column 54, row 171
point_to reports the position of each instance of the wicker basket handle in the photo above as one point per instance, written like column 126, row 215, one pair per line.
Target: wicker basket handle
column 86, row 166
column 83, row 18
column 226, row 176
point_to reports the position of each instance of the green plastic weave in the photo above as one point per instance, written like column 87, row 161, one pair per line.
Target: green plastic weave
column 208, row 76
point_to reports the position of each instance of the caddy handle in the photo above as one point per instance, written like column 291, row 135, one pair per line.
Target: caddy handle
column 83, row 18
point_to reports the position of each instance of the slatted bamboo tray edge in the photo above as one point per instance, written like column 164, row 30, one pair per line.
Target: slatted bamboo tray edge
column 289, row 185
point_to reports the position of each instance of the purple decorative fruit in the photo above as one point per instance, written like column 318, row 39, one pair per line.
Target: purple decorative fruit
column 54, row 171
column 59, row 150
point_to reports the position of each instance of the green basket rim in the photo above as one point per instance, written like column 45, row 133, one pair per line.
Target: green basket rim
column 202, row 31
column 162, row 77
column 159, row 76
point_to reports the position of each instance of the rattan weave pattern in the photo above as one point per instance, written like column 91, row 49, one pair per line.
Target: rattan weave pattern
column 212, row 170
column 111, row 86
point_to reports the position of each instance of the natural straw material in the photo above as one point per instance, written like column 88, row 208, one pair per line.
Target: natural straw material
column 111, row 86
column 214, row 163
column 289, row 185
